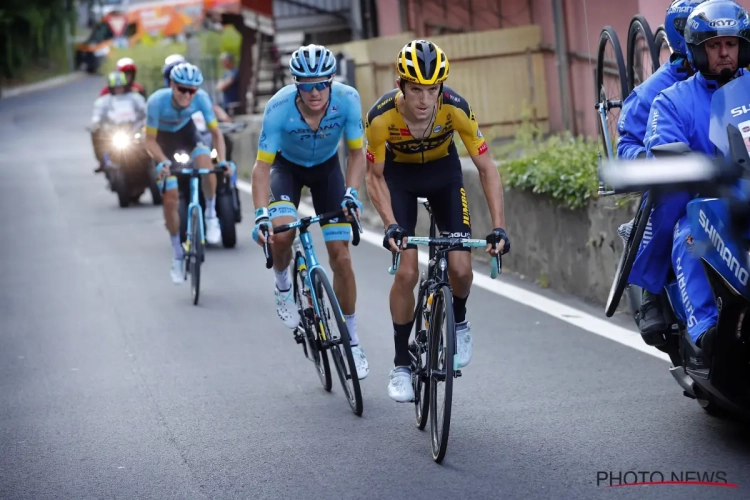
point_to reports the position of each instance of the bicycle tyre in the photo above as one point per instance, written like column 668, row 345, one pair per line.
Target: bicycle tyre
column 629, row 252
column 322, row 287
column 420, row 382
column 442, row 302
column 639, row 25
column 606, row 36
column 197, row 254
column 320, row 357
column 661, row 43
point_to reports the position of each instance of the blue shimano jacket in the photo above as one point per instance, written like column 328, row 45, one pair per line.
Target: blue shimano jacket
column 635, row 110
column 682, row 113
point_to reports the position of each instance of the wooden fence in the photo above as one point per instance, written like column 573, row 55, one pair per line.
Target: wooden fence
column 500, row 72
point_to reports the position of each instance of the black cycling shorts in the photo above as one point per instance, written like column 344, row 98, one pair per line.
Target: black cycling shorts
column 442, row 183
column 326, row 183
column 186, row 139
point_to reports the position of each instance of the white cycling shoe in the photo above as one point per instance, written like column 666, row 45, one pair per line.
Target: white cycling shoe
column 176, row 272
column 213, row 231
column 286, row 308
column 400, row 388
column 360, row 362
column 464, row 345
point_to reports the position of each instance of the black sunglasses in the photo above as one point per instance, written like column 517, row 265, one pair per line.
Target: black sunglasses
column 187, row 90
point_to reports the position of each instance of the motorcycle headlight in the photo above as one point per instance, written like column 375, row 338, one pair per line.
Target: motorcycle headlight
column 138, row 135
column 214, row 154
column 181, row 157
column 120, row 140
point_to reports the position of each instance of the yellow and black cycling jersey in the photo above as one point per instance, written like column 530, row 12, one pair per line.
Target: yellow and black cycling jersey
column 388, row 137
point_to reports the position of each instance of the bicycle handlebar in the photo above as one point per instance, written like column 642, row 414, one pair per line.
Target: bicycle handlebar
column 445, row 244
column 351, row 209
column 190, row 171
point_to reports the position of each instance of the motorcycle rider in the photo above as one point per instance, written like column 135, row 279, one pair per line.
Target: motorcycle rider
column 169, row 127
column 127, row 65
column 119, row 104
column 632, row 127
column 717, row 35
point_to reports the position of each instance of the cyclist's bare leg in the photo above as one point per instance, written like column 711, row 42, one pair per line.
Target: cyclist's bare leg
column 461, row 278
column 281, row 245
column 459, row 273
column 344, row 285
column 171, row 203
column 402, row 291
column 209, row 182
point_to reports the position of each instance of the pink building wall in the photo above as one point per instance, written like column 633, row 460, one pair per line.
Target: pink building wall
column 584, row 20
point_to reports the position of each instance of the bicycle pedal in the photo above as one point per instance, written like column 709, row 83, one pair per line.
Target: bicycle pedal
column 456, row 373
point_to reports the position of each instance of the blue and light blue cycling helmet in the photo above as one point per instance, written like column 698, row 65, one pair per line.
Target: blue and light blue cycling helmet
column 169, row 63
column 312, row 61
column 674, row 24
column 713, row 19
column 186, row 74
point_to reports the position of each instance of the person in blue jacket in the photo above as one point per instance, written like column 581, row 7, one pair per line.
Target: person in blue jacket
column 632, row 128
column 717, row 35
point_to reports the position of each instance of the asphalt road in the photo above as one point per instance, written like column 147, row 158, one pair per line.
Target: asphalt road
column 114, row 385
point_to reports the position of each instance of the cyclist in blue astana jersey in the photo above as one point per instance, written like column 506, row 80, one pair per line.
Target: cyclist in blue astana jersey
column 632, row 127
column 298, row 146
column 169, row 128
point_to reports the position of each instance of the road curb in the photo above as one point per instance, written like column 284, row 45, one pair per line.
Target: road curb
column 43, row 85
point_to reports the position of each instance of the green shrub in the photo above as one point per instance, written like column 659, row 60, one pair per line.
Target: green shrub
column 562, row 166
column 149, row 56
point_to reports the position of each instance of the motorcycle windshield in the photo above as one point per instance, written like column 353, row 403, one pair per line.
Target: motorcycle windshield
column 730, row 105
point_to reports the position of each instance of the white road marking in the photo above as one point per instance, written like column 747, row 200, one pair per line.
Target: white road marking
column 528, row 298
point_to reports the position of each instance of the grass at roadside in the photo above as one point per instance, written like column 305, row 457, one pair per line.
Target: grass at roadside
column 55, row 65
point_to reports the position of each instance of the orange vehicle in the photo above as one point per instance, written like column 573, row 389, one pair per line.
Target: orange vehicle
column 124, row 28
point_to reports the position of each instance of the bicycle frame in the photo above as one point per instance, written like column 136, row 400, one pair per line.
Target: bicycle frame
column 312, row 262
column 195, row 202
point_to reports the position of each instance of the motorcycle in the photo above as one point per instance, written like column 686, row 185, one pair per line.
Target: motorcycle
column 226, row 128
column 127, row 166
column 225, row 204
column 719, row 222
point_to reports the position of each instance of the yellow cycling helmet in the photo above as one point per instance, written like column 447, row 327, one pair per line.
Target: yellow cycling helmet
column 423, row 62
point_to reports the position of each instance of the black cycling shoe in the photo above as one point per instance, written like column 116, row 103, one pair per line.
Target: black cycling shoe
column 651, row 320
column 706, row 341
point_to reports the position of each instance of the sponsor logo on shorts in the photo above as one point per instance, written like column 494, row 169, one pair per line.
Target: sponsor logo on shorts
column 465, row 215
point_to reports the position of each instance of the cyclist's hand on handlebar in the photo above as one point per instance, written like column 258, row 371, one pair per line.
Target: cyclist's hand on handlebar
column 499, row 240
column 351, row 196
column 162, row 169
column 231, row 168
column 262, row 226
column 393, row 235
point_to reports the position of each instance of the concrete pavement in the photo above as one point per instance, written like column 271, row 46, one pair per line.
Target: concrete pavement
column 114, row 385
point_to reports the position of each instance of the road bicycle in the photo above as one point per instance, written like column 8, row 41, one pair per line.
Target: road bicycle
column 435, row 333
column 318, row 307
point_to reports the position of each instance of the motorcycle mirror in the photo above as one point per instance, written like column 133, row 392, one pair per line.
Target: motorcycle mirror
column 669, row 173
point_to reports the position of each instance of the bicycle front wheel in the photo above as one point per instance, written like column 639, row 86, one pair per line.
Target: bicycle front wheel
column 196, row 250
column 442, row 348
column 341, row 350
column 318, row 355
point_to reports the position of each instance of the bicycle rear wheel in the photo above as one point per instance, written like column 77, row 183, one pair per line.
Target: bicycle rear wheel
column 662, row 45
column 629, row 253
column 319, row 355
column 341, row 350
column 442, row 349
column 643, row 58
column 196, row 249
column 611, row 83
